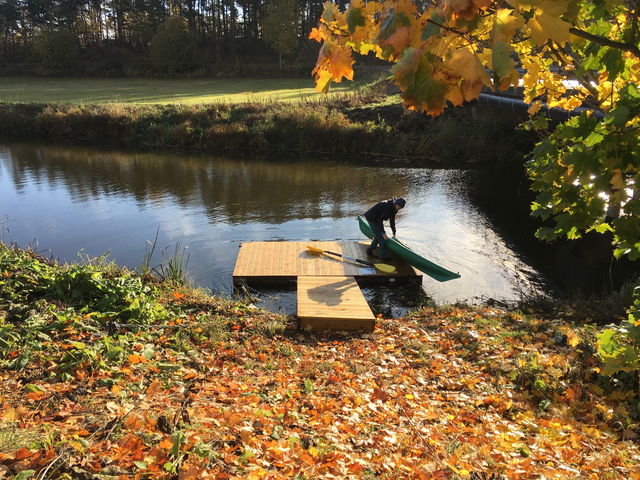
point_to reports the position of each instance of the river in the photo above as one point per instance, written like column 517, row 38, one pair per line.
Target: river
column 64, row 201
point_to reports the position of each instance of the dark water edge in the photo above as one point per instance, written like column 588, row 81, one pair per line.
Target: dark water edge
column 582, row 267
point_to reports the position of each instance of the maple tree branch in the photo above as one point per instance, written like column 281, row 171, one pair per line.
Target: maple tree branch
column 336, row 31
column 606, row 42
column 454, row 30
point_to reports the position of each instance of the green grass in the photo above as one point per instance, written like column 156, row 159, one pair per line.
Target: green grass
column 160, row 91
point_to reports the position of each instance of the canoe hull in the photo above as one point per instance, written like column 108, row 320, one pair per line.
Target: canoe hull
column 405, row 253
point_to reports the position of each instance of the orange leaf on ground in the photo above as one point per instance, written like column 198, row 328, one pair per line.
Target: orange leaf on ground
column 36, row 395
column 190, row 472
column 23, row 453
column 154, row 387
column 134, row 359
column 167, row 444
column 379, row 394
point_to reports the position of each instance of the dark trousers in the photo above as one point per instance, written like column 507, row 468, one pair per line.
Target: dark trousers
column 378, row 239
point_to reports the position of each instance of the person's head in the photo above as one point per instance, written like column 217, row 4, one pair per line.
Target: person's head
column 400, row 203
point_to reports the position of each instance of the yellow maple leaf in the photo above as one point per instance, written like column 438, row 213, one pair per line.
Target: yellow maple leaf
column 554, row 7
column 465, row 64
column 468, row 66
column 455, row 96
column 523, row 4
column 546, row 27
column 365, row 48
column 534, row 108
column 322, row 77
column 360, row 34
column 372, row 8
column 341, row 64
column 505, row 25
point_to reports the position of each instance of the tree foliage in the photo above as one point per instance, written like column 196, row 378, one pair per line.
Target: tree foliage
column 619, row 345
column 58, row 48
column 172, row 48
column 223, row 28
column 280, row 26
column 574, row 54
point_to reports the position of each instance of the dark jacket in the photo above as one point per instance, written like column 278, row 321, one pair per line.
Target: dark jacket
column 385, row 210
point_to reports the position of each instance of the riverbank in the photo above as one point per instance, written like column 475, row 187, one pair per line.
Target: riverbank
column 109, row 374
column 369, row 123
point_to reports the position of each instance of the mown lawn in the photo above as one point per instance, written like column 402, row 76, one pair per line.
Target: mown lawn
column 161, row 91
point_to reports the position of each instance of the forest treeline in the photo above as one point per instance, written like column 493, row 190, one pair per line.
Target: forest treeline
column 144, row 37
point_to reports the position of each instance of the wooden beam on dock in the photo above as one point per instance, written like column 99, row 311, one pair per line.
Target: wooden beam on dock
column 333, row 302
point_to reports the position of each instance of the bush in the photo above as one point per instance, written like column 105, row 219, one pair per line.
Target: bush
column 57, row 48
column 172, row 49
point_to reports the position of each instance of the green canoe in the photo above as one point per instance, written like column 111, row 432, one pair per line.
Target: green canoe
column 411, row 257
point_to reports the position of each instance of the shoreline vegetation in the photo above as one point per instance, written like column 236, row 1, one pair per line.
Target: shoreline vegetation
column 111, row 374
column 369, row 122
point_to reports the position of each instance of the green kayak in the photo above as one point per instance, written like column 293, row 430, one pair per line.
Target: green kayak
column 411, row 257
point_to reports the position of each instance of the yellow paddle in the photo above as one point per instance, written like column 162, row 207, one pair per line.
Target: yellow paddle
column 383, row 267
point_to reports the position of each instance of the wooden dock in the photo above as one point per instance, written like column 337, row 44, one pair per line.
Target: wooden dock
column 329, row 296
column 278, row 263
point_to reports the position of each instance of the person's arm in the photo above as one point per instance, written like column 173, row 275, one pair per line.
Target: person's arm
column 392, row 224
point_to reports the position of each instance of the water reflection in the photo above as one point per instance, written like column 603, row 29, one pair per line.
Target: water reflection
column 230, row 191
column 73, row 199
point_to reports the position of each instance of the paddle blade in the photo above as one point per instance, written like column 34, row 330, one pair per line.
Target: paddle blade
column 314, row 249
column 383, row 267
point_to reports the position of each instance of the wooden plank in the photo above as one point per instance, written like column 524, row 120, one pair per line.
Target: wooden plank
column 350, row 249
column 333, row 302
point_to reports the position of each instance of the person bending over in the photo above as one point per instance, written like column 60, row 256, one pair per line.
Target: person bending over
column 376, row 215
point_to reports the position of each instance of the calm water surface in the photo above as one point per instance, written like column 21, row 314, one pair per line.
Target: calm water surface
column 69, row 200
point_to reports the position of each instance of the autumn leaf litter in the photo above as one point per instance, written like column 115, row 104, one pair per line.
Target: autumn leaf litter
column 217, row 389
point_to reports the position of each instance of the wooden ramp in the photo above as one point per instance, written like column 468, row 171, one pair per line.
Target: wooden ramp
column 333, row 302
column 278, row 263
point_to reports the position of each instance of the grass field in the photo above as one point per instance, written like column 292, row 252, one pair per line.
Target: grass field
column 160, row 91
